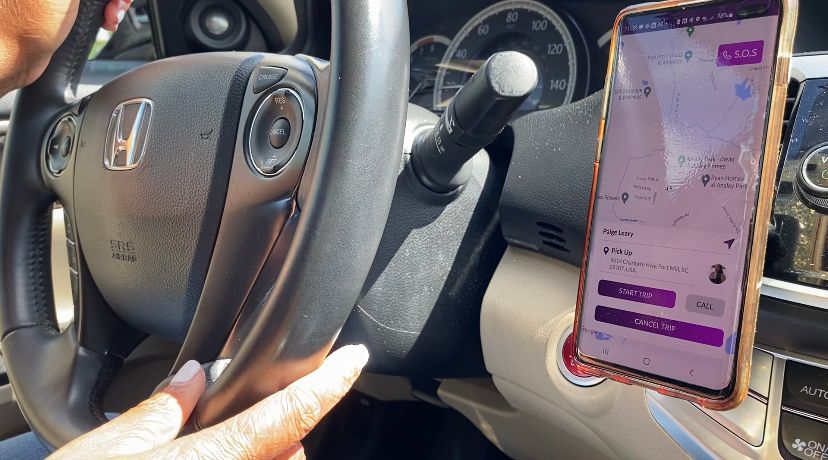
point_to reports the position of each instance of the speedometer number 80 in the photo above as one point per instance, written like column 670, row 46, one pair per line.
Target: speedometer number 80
column 527, row 26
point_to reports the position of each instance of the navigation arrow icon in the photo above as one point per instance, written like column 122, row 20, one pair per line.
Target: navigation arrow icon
column 730, row 242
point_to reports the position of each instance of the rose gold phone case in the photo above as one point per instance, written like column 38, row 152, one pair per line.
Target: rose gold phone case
column 759, row 234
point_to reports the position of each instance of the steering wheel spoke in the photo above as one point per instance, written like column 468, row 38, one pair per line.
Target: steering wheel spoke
column 96, row 326
column 260, row 196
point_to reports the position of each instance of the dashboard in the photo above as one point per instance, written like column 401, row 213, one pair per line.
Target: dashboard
column 569, row 42
column 526, row 312
column 567, row 39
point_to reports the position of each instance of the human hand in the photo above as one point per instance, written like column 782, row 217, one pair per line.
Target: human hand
column 32, row 30
column 273, row 428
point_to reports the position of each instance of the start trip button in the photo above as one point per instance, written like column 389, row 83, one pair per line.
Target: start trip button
column 814, row 173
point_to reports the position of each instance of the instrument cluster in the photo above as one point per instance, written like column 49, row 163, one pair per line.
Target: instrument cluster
column 455, row 39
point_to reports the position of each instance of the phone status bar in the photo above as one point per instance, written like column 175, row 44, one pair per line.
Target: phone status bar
column 696, row 16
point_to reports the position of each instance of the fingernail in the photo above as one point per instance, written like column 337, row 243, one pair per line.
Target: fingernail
column 360, row 355
column 186, row 373
column 120, row 15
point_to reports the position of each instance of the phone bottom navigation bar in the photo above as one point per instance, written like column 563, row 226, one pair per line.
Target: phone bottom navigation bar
column 661, row 326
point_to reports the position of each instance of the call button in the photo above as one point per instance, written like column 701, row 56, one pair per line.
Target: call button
column 705, row 305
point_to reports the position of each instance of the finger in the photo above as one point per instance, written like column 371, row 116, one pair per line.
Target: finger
column 277, row 423
column 154, row 422
column 158, row 420
column 114, row 13
column 297, row 452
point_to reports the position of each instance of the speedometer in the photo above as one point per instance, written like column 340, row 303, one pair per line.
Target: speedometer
column 426, row 54
column 513, row 25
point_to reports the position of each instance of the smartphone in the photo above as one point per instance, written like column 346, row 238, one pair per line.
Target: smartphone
column 681, row 198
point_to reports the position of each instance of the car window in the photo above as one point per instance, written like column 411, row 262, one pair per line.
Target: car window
column 133, row 41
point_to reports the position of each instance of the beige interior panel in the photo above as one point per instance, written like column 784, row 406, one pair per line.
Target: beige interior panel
column 520, row 434
column 528, row 306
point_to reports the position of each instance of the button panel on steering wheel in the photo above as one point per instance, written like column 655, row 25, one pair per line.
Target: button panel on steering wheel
column 59, row 145
column 275, row 131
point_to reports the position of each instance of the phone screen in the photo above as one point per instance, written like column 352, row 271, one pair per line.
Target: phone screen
column 676, row 191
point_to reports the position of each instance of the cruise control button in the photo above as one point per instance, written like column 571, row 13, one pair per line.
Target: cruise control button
column 801, row 437
column 275, row 131
column 72, row 254
column 279, row 133
column 271, row 162
column 806, row 388
column 67, row 223
column 266, row 77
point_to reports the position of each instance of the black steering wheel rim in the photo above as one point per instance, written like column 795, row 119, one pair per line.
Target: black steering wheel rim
column 332, row 226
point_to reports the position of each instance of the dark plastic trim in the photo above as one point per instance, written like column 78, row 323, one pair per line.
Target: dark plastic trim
column 545, row 199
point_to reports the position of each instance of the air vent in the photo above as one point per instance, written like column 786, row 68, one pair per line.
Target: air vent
column 790, row 103
column 552, row 236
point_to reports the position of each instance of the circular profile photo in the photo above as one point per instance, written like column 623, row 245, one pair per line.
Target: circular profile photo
column 717, row 274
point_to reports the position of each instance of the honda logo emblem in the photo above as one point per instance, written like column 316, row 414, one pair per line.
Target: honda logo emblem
column 126, row 136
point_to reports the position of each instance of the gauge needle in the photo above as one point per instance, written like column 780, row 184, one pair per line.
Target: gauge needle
column 414, row 91
column 470, row 66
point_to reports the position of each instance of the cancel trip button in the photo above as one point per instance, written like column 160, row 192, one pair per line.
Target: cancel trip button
column 806, row 388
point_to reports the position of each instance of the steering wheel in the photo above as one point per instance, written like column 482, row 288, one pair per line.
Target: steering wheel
column 233, row 202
